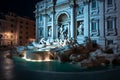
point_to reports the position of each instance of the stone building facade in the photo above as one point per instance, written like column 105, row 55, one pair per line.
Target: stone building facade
column 16, row 30
column 65, row 19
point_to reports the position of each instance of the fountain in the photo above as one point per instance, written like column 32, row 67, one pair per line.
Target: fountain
column 65, row 51
column 37, row 56
column 66, row 58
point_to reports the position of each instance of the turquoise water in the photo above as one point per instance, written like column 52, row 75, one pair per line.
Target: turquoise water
column 19, row 69
column 54, row 66
column 47, row 66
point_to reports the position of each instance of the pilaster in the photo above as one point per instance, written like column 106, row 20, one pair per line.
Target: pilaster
column 102, row 40
column 73, row 21
column 45, row 26
column 86, row 20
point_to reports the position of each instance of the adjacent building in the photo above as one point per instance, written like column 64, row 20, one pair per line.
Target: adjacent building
column 16, row 30
column 65, row 19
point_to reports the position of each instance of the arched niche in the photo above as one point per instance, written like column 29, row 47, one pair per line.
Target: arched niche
column 63, row 26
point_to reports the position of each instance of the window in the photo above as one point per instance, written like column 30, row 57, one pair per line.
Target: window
column 21, row 32
column 110, row 25
column 20, row 37
column 11, row 36
column 26, row 32
column 12, row 20
column 11, row 25
column 110, row 42
column 20, row 42
column 93, row 27
column 11, row 31
column 34, row 28
column 21, row 22
column 26, row 27
column 21, row 26
column 110, row 3
column 94, row 43
column 110, row 6
column 94, row 4
column 26, row 37
column 26, row 23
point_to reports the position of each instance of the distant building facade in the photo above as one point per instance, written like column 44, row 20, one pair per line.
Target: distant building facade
column 65, row 19
column 16, row 30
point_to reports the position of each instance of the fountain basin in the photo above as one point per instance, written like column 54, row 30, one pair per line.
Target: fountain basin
column 56, row 66
column 37, row 55
column 54, row 70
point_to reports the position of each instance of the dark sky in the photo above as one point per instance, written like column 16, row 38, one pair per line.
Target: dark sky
column 21, row 7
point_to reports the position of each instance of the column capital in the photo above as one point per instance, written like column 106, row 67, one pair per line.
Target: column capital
column 53, row 12
column 44, row 15
column 72, row 5
column 86, row 2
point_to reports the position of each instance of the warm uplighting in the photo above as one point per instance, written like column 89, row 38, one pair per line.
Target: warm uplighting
column 7, row 38
column 46, row 58
column 24, row 54
column 37, row 60
column 31, row 39
column 8, row 34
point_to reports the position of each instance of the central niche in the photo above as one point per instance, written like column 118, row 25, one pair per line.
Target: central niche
column 63, row 26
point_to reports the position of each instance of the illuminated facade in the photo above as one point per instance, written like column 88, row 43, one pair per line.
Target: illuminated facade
column 65, row 19
column 16, row 30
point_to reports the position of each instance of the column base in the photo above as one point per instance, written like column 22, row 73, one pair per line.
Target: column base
column 80, row 39
column 102, row 42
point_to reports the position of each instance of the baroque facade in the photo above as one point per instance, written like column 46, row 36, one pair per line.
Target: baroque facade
column 16, row 30
column 77, row 19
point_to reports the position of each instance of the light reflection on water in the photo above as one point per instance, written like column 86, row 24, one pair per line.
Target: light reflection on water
column 9, row 71
column 7, row 67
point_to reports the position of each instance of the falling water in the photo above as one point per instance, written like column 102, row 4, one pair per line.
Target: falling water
column 37, row 56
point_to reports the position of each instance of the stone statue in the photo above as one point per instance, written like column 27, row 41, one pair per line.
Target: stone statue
column 81, row 29
column 41, row 32
column 63, row 32
column 80, row 10
column 49, row 32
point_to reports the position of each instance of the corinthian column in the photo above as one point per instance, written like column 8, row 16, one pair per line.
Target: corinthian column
column 45, row 26
column 53, row 25
column 73, row 20
column 53, row 20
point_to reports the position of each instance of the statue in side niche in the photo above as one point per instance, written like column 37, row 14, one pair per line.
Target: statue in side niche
column 81, row 29
column 41, row 32
column 50, row 32
column 80, row 10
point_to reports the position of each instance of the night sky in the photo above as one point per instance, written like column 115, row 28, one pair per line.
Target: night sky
column 20, row 7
